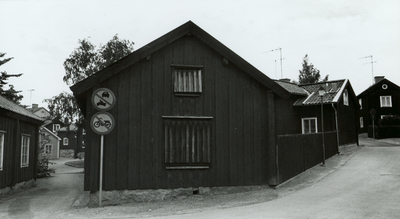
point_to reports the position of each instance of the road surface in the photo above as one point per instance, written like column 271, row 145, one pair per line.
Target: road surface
column 367, row 186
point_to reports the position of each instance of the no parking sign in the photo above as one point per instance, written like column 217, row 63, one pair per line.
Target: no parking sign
column 102, row 123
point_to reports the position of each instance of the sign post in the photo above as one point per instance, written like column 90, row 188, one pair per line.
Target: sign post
column 102, row 123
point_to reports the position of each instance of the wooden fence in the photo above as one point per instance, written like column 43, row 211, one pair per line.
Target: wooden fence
column 299, row 152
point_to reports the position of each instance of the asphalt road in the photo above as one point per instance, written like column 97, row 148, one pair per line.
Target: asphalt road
column 367, row 186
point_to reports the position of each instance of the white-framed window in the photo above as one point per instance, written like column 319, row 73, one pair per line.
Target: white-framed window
column 361, row 122
column 48, row 149
column 345, row 97
column 65, row 141
column 25, row 150
column 56, row 127
column 187, row 80
column 386, row 101
column 2, row 136
column 360, row 102
column 309, row 125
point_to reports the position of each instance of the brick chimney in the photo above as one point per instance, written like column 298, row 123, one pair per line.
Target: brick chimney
column 378, row 78
column 35, row 106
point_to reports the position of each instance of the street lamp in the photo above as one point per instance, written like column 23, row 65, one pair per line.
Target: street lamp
column 321, row 93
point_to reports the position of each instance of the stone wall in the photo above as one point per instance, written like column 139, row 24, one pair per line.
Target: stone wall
column 67, row 153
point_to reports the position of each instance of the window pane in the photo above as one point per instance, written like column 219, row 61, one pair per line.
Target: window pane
column 306, row 126
column 312, row 125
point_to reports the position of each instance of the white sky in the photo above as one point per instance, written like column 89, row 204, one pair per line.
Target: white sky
column 335, row 34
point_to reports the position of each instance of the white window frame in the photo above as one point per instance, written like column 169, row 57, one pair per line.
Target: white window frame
column 48, row 149
column 361, row 122
column 360, row 102
column 345, row 97
column 25, row 150
column 2, row 137
column 386, row 101
column 309, row 119
column 65, row 141
column 56, row 127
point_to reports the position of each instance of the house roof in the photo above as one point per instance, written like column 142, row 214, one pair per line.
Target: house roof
column 309, row 92
column 15, row 108
column 51, row 133
column 378, row 84
column 188, row 28
column 293, row 88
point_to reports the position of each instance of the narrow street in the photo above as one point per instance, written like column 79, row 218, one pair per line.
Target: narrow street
column 363, row 182
column 367, row 186
column 52, row 195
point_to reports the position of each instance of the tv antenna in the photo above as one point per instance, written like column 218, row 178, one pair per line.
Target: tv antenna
column 372, row 65
column 31, row 94
column 280, row 50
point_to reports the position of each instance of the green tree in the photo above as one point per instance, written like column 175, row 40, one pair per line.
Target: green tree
column 86, row 60
column 65, row 107
column 309, row 74
column 10, row 93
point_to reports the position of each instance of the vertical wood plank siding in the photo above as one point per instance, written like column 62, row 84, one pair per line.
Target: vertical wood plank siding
column 12, row 172
column 187, row 141
column 232, row 143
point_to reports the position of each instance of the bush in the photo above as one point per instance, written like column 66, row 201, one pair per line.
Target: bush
column 43, row 169
column 390, row 121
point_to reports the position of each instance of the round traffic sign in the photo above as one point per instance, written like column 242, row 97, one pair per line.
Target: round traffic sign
column 103, row 99
column 102, row 123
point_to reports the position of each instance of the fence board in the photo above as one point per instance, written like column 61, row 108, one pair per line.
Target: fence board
column 297, row 153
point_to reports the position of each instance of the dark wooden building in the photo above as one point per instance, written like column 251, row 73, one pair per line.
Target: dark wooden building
column 384, row 97
column 189, row 112
column 19, row 143
column 304, row 110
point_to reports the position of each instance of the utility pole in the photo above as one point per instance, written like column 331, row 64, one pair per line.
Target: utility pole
column 280, row 50
column 372, row 65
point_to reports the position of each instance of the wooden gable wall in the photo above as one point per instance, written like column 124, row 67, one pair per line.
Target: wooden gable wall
column 134, row 150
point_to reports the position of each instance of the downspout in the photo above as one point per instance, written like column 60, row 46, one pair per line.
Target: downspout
column 337, row 128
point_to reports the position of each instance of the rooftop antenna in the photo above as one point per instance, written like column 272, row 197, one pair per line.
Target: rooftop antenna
column 372, row 65
column 31, row 95
column 280, row 50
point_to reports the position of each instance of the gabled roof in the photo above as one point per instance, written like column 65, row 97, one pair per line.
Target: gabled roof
column 51, row 133
column 309, row 92
column 11, row 106
column 377, row 85
column 187, row 28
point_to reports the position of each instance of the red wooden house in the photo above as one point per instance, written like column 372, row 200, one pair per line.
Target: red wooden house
column 384, row 97
column 189, row 112
column 19, row 143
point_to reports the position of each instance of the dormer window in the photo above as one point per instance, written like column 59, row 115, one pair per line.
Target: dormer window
column 187, row 80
